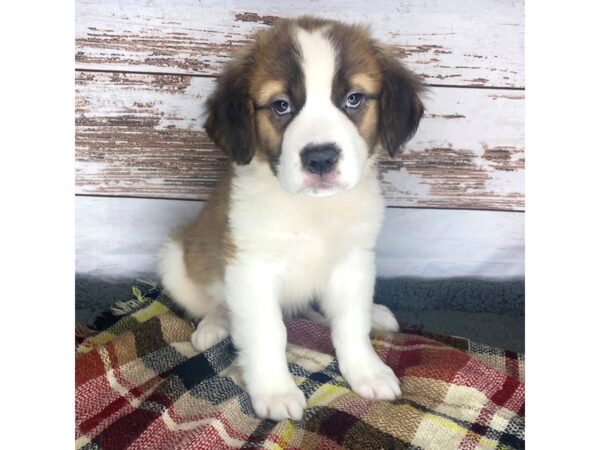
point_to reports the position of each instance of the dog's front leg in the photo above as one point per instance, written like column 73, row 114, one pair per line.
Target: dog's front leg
column 258, row 332
column 347, row 303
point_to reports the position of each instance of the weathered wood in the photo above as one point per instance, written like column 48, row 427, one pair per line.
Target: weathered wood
column 120, row 237
column 141, row 135
column 447, row 42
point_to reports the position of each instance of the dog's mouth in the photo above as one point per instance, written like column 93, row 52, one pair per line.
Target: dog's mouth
column 322, row 185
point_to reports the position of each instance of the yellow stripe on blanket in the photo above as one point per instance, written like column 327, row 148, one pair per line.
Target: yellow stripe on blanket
column 326, row 394
column 284, row 439
column 95, row 341
column 154, row 309
column 452, row 426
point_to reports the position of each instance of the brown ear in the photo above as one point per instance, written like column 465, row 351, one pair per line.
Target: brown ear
column 401, row 108
column 230, row 114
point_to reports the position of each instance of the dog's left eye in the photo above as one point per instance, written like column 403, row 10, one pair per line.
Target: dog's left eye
column 282, row 107
column 354, row 100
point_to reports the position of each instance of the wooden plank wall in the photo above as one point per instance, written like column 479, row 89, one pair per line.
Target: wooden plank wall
column 144, row 69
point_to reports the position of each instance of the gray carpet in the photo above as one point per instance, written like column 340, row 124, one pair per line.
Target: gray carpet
column 490, row 312
column 487, row 311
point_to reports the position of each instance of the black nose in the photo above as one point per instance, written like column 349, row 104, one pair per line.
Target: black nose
column 319, row 158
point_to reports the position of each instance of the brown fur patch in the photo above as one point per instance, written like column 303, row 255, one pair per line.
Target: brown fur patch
column 365, row 83
column 267, row 90
column 357, row 69
column 275, row 72
column 270, row 137
column 367, row 126
column 207, row 242
column 400, row 104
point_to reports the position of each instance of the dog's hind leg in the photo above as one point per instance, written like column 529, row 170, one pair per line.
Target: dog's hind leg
column 381, row 318
column 184, row 291
column 199, row 301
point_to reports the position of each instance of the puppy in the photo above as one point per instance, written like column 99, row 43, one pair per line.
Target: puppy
column 302, row 113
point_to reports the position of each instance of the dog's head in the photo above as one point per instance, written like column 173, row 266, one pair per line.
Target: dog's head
column 314, row 99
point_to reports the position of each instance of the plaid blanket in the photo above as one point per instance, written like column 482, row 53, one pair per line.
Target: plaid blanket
column 140, row 384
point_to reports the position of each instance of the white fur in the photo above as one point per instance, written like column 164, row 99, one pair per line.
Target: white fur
column 320, row 122
column 347, row 302
column 291, row 249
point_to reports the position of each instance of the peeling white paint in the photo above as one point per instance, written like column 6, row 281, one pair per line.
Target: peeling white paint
column 464, row 42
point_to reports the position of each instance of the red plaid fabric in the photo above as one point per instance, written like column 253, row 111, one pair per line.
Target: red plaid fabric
column 140, row 384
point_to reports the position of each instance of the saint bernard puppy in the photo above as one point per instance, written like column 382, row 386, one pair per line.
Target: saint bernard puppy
column 303, row 113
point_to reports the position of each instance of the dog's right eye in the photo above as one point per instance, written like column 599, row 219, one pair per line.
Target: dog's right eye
column 282, row 107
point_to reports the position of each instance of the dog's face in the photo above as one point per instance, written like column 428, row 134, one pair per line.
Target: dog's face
column 313, row 99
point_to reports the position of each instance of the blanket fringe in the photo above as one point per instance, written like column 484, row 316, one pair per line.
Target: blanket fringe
column 123, row 308
column 83, row 331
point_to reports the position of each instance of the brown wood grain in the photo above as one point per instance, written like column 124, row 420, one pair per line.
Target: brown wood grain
column 447, row 42
column 141, row 135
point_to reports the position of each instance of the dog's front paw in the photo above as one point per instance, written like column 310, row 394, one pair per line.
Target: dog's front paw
column 373, row 381
column 208, row 333
column 279, row 404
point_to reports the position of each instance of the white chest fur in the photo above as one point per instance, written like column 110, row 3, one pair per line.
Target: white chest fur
column 300, row 239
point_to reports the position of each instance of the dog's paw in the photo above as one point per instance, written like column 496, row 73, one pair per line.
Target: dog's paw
column 373, row 381
column 288, row 403
column 383, row 319
column 208, row 333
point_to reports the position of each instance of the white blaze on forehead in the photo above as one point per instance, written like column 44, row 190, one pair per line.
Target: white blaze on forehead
column 320, row 122
column 318, row 63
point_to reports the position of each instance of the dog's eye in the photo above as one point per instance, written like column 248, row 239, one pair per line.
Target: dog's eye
column 282, row 107
column 354, row 100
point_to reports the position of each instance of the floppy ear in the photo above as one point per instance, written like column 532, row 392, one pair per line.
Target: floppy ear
column 400, row 106
column 230, row 115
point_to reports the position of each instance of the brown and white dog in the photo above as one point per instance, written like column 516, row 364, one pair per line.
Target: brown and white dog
column 302, row 113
